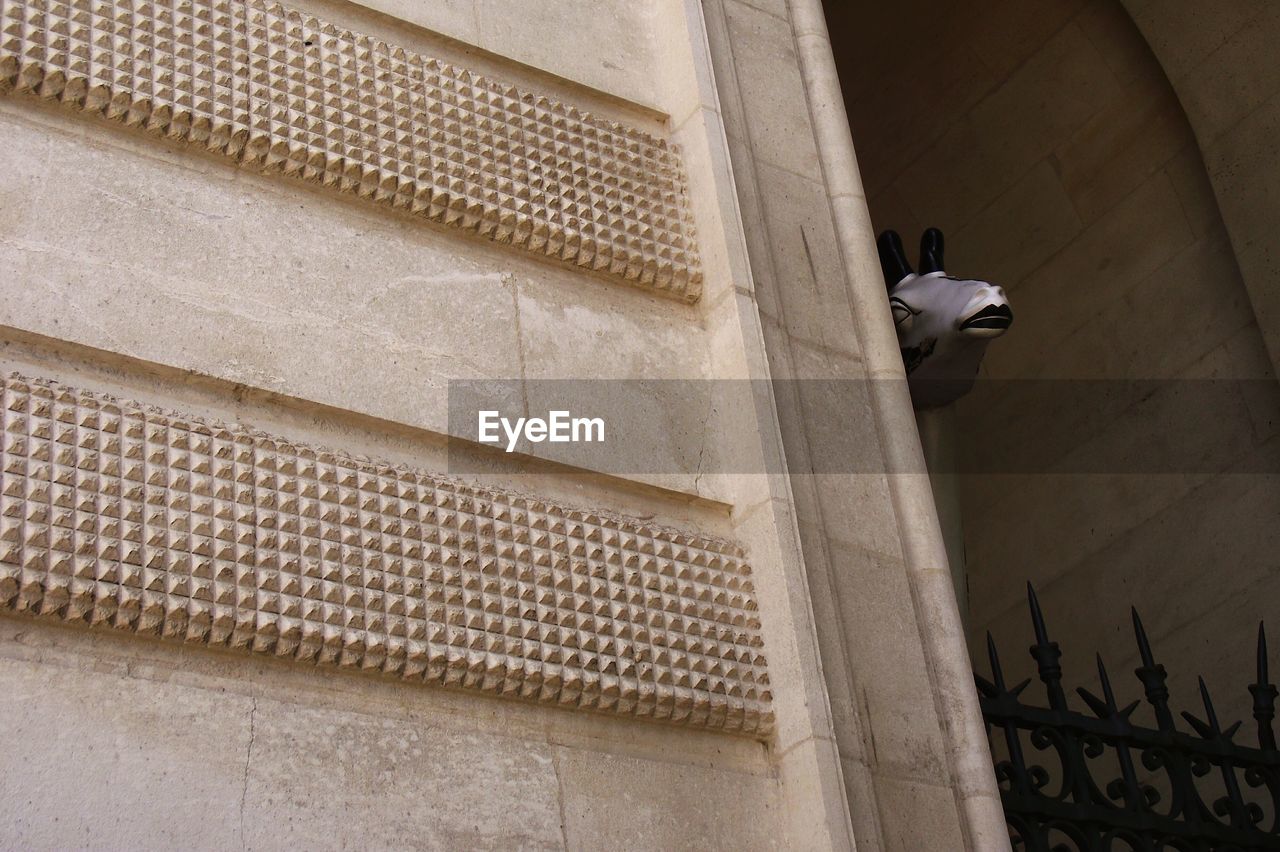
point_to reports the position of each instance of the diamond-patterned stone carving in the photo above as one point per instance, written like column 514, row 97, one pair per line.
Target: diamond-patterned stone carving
column 279, row 90
column 114, row 514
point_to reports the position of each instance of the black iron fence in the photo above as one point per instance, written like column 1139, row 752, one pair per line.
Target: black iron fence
column 1073, row 780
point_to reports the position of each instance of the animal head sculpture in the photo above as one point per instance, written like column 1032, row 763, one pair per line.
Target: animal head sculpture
column 943, row 323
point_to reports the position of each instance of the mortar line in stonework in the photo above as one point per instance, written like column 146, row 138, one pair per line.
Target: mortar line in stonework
column 524, row 382
column 560, row 797
column 248, row 756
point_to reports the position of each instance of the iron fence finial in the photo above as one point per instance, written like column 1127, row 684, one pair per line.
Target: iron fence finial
column 1153, row 676
column 1264, row 695
column 1046, row 654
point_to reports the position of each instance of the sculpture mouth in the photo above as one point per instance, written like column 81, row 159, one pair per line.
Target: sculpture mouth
column 988, row 322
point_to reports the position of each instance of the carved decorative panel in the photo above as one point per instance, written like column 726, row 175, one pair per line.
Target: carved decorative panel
column 119, row 515
column 279, row 90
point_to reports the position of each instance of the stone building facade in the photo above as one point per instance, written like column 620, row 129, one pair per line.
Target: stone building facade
column 258, row 589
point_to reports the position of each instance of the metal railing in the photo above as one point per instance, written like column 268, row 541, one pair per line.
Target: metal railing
column 1072, row 780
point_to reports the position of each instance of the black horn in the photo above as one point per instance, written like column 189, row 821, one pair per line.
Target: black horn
column 931, row 251
column 893, row 260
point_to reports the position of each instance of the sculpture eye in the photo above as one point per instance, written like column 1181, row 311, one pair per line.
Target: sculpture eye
column 903, row 314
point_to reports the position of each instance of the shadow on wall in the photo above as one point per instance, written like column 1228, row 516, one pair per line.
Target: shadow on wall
column 1045, row 139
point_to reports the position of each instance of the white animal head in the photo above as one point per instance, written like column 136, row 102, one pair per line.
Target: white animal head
column 943, row 323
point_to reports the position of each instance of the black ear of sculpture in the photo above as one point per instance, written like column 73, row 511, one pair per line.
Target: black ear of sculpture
column 931, row 251
column 893, row 260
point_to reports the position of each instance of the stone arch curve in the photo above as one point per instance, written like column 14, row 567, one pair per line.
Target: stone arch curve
column 1219, row 57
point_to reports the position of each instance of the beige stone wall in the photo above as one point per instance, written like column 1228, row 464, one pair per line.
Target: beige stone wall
column 1047, row 142
column 121, row 742
column 144, row 268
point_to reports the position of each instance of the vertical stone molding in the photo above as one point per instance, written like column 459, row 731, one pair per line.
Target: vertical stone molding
column 114, row 514
column 281, row 91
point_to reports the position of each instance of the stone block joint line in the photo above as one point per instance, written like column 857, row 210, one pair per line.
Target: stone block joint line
column 115, row 514
column 278, row 90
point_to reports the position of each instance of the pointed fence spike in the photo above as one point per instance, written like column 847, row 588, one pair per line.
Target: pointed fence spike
column 1107, row 693
column 1234, row 802
column 1152, row 675
column 1201, row 728
column 1037, row 617
column 1262, row 652
column 1144, row 647
column 1264, row 695
column 993, row 656
column 1096, row 704
column 1210, row 714
column 1046, row 654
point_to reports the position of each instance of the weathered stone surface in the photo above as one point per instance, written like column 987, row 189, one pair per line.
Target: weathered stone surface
column 114, row 514
column 278, row 90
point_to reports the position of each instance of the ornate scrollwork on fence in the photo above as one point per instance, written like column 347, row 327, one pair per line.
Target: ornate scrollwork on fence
column 1098, row 781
